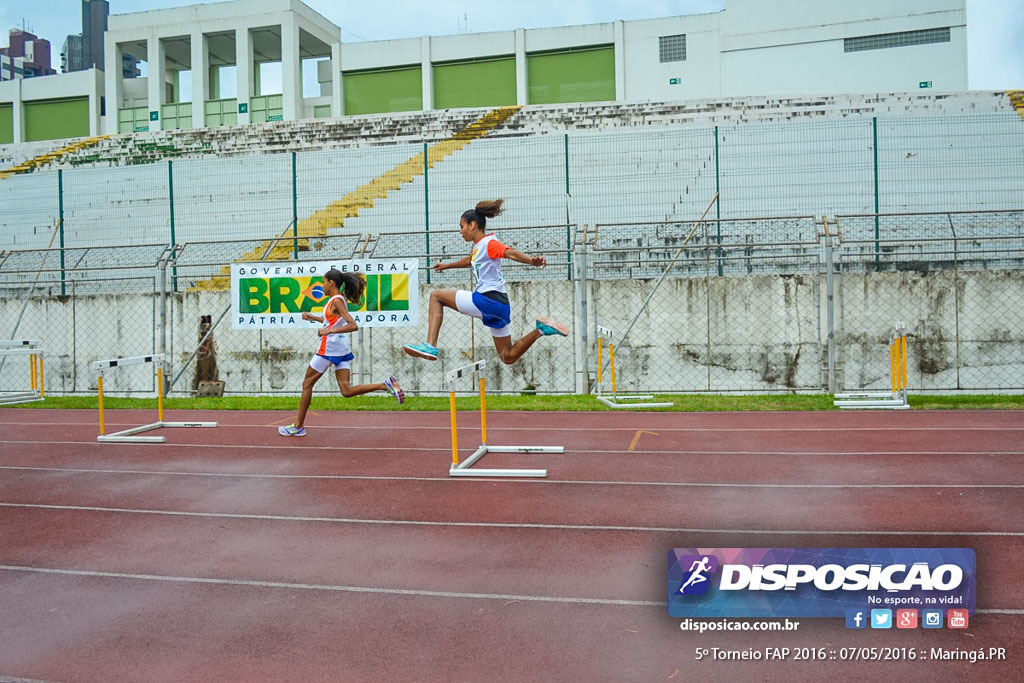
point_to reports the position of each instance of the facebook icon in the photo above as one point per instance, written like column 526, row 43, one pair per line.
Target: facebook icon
column 856, row 618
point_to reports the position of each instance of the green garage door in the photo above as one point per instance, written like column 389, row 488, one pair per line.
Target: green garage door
column 578, row 75
column 375, row 92
column 55, row 119
column 484, row 83
column 6, row 124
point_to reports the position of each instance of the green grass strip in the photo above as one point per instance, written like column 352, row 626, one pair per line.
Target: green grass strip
column 681, row 403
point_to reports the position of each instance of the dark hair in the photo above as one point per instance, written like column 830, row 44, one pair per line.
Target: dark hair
column 352, row 285
column 482, row 211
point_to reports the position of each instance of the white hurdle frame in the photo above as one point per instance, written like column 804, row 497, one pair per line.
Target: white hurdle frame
column 35, row 352
column 640, row 400
column 462, row 469
column 885, row 400
column 128, row 435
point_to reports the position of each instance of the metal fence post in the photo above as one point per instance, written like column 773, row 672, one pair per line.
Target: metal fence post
column 295, row 211
column 60, row 225
column 956, row 296
column 718, row 205
column 426, row 204
column 170, row 194
column 874, row 149
column 829, row 308
column 568, row 252
column 581, row 266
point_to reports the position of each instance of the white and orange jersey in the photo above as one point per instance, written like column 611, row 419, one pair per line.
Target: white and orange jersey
column 486, row 263
column 333, row 344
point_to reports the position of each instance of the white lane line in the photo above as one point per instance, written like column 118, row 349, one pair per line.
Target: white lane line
column 366, row 477
column 447, row 449
column 569, row 428
column 504, row 525
column 366, row 589
column 327, row 587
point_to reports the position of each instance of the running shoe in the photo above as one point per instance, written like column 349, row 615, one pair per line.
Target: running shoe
column 391, row 384
column 547, row 326
column 423, row 350
column 291, row 430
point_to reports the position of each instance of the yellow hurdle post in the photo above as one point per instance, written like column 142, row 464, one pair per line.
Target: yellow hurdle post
column 99, row 381
column 903, row 358
column 42, row 385
column 32, row 371
column 892, row 365
column 600, row 361
column 159, row 393
column 455, row 435
column 611, row 355
column 483, row 413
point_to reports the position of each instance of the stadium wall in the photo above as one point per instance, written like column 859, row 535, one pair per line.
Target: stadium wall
column 760, row 333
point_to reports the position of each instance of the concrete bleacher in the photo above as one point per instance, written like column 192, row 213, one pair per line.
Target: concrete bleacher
column 433, row 126
column 631, row 162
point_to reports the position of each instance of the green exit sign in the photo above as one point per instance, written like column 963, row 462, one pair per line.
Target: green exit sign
column 675, row 81
column 924, row 84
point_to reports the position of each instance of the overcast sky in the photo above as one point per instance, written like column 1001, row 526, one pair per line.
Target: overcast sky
column 995, row 28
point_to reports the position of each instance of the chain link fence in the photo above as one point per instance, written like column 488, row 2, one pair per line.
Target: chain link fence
column 777, row 304
column 765, row 296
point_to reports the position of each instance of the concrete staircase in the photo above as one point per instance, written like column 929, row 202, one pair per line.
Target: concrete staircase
column 49, row 157
column 334, row 215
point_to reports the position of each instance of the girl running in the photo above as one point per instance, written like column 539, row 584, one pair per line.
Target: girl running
column 489, row 301
column 334, row 350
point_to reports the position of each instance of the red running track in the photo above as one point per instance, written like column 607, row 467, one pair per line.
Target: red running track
column 235, row 554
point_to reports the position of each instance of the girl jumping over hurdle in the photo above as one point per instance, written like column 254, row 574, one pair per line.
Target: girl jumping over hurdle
column 334, row 350
column 489, row 301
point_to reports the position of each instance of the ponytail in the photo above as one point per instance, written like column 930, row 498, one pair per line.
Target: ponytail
column 351, row 285
column 482, row 211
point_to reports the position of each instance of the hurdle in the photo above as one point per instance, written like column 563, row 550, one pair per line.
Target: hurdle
column 462, row 469
column 128, row 435
column 896, row 399
column 35, row 352
column 639, row 400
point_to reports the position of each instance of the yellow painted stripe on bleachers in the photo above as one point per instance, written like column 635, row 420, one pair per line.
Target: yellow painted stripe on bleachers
column 364, row 196
column 1017, row 101
column 43, row 159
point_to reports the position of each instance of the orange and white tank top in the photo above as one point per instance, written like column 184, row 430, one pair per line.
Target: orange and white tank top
column 333, row 344
column 486, row 262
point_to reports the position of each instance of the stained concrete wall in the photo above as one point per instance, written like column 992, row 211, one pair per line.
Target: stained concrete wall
column 757, row 333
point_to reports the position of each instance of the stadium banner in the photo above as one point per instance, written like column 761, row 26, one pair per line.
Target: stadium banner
column 273, row 296
column 818, row 582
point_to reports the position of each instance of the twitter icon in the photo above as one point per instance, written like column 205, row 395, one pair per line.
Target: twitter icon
column 881, row 618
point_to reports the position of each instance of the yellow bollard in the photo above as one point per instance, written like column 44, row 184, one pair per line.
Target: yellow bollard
column 99, row 381
column 455, row 435
column 611, row 355
column 483, row 413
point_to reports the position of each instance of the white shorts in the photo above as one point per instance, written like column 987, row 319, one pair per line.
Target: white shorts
column 464, row 304
column 322, row 365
